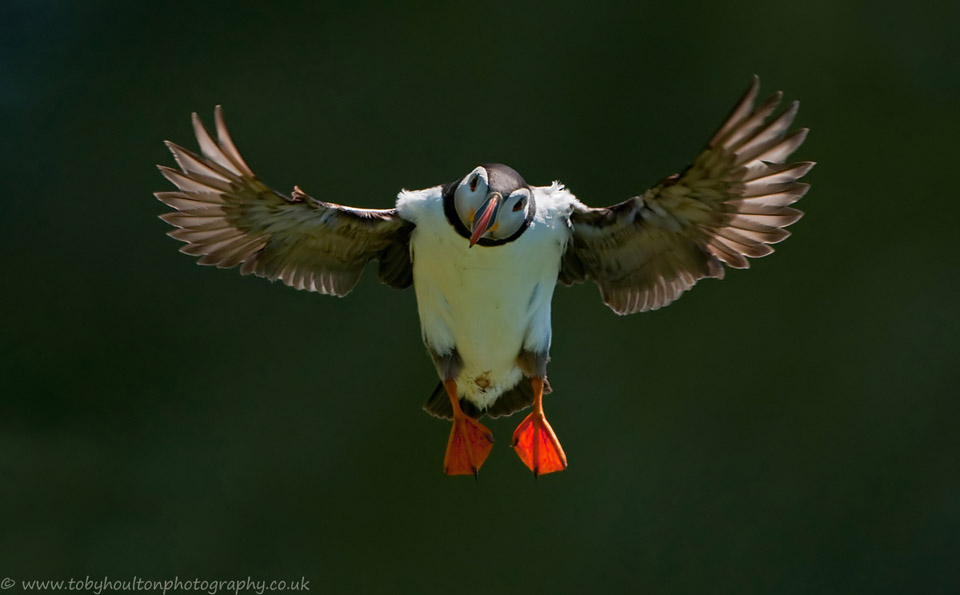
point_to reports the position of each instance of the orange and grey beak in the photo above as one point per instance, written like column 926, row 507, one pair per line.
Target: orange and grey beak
column 486, row 216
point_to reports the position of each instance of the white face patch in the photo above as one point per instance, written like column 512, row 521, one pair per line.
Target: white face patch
column 512, row 214
column 470, row 194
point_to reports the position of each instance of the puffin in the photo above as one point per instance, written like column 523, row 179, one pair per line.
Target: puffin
column 485, row 252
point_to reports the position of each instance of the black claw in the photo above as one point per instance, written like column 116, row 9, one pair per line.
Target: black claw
column 476, row 474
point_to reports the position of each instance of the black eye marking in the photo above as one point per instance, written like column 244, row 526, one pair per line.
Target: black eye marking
column 519, row 205
column 473, row 183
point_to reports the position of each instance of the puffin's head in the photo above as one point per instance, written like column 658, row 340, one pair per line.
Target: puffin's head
column 493, row 202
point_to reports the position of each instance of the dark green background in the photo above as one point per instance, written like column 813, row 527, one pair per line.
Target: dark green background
column 792, row 429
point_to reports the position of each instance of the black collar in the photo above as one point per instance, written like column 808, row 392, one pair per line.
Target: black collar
column 450, row 210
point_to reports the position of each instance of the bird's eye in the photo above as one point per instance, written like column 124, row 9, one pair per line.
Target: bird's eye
column 473, row 183
column 519, row 205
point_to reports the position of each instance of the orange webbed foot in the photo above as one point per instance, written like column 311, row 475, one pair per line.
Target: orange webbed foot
column 469, row 446
column 537, row 445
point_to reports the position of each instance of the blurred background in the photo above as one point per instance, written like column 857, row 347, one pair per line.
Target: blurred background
column 791, row 429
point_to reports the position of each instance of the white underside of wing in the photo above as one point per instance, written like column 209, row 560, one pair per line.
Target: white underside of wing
column 486, row 302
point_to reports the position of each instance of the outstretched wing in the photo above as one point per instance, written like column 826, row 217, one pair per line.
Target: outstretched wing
column 228, row 217
column 730, row 204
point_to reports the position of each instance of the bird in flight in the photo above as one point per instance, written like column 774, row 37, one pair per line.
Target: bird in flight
column 485, row 252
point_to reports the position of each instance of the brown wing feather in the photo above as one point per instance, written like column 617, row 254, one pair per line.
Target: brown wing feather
column 228, row 217
column 729, row 205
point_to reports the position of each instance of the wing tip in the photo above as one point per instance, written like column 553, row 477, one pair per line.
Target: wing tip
column 740, row 111
column 796, row 138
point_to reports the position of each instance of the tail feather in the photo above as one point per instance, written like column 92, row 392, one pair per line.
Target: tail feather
column 517, row 398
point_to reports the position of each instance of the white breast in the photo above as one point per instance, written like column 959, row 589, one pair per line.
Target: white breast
column 487, row 302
